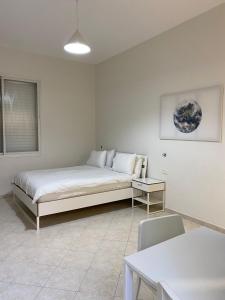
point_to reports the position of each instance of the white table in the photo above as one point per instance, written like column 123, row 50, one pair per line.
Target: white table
column 192, row 265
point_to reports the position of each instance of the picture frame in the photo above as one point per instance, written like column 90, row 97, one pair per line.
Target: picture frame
column 192, row 115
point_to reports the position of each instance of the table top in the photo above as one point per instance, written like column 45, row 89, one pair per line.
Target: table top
column 148, row 180
column 192, row 264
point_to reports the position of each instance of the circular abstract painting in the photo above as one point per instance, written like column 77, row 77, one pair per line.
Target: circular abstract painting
column 187, row 116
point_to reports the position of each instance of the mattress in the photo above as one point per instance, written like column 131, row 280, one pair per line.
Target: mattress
column 54, row 184
column 84, row 191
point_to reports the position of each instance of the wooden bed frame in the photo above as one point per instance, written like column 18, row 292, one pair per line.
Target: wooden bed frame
column 40, row 209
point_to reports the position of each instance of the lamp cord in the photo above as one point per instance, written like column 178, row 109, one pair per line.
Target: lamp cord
column 77, row 15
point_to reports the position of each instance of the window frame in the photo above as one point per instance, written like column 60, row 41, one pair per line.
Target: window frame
column 25, row 153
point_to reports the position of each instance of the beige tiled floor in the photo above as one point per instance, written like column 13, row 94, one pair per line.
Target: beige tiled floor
column 76, row 256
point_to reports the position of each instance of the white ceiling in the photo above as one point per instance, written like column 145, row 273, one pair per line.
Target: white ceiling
column 111, row 26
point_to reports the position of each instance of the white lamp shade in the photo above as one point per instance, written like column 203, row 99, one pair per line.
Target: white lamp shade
column 77, row 44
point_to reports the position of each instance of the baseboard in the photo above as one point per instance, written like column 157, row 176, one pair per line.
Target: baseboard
column 198, row 221
column 6, row 195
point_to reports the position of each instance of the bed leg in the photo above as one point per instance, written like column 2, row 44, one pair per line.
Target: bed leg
column 132, row 198
column 38, row 223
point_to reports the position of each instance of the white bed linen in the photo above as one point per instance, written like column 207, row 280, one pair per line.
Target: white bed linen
column 42, row 182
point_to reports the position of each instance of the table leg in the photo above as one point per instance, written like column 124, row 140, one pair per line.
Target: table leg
column 128, row 283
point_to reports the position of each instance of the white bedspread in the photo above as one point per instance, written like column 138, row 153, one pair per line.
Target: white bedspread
column 41, row 182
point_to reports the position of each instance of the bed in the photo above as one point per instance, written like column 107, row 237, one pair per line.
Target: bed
column 46, row 192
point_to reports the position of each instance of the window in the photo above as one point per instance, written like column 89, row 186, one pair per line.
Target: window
column 18, row 116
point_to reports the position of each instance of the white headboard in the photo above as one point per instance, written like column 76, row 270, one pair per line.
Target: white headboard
column 144, row 165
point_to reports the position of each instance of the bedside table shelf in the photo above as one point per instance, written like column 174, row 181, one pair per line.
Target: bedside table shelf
column 152, row 201
column 148, row 186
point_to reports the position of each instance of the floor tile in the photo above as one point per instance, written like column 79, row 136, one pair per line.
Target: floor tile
column 38, row 255
column 89, row 244
column 60, row 242
column 55, row 294
column 145, row 292
column 4, row 252
column 99, row 283
column 66, row 279
column 117, row 235
column 95, row 233
column 30, row 273
column 7, row 227
column 75, row 228
column 131, row 248
column 38, row 240
column 85, row 296
column 112, row 247
column 119, row 288
column 77, row 259
column 6, row 272
column 50, row 231
column 18, row 292
column 25, row 273
column 133, row 236
column 108, row 261
column 12, row 239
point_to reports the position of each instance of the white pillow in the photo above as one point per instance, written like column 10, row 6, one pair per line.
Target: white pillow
column 109, row 158
column 124, row 163
column 97, row 159
column 138, row 167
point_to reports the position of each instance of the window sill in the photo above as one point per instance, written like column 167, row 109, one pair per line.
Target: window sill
column 20, row 154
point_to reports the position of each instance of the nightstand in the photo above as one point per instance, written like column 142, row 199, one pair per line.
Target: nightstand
column 148, row 186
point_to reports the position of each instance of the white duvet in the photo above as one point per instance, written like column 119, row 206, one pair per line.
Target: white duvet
column 41, row 182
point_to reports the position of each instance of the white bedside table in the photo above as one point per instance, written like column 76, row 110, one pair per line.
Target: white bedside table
column 148, row 186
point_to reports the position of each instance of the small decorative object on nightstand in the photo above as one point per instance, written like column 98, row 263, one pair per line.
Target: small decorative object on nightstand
column 148, row 186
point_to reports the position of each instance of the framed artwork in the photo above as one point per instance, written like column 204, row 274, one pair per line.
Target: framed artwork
column 194, row 115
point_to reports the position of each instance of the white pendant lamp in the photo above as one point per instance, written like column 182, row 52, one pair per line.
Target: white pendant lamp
column 77, row 44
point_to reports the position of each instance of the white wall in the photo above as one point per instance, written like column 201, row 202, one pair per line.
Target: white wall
column 66, row 111
column 128, row 88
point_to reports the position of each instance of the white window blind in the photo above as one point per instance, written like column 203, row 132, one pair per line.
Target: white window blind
column 20, row 116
